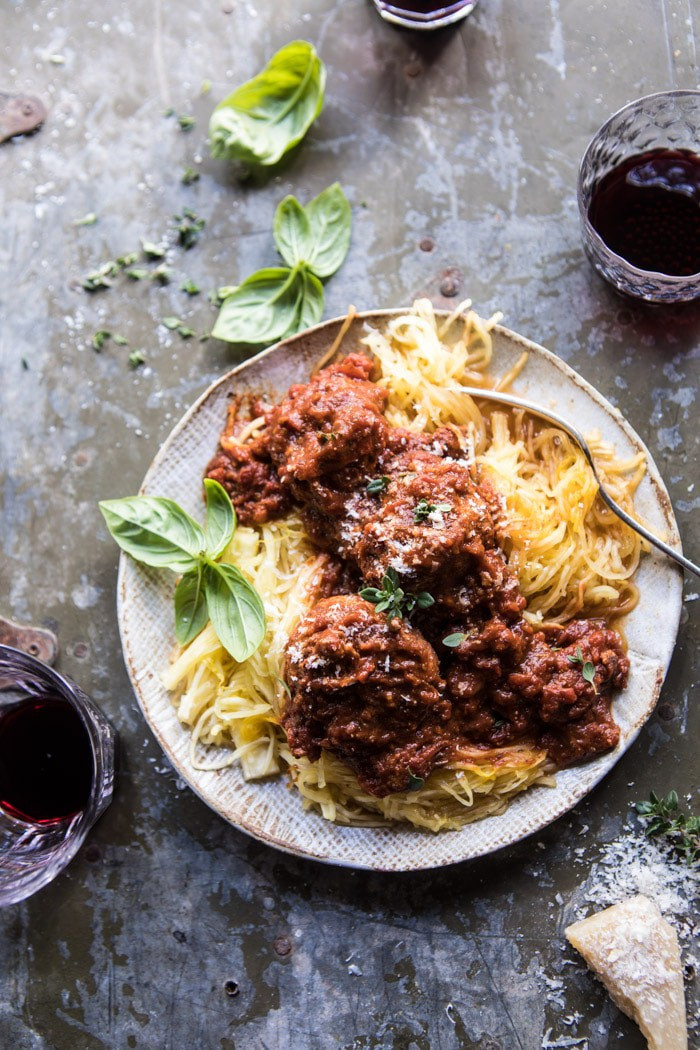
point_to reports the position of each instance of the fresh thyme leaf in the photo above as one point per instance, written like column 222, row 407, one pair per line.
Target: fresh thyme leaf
column 151, row 250
column 171, row 322
column 663, row 819
column 123, row 261
column 169, row 112
column 453, row 640
column 136, row 273
column 188, row 226
column 184, row 332
column 588, row 672
column 162, row 274
column 100, row 338
column 392, row 599
column 25, row 364
column 186, row 122
column 189, row 176
column 87, row 220
column 377, row 486
column 190, row 287
column 120, row 340
column 136, row 358
column 423, row 510
column 577, row 658
column 92, row 282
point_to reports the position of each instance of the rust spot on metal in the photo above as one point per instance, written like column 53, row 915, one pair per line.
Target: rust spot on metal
column 35, row 641
column 282, row 946
column 451, row 283
column 20, row 115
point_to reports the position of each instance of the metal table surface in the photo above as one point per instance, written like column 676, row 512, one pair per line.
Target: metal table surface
column 459, row 154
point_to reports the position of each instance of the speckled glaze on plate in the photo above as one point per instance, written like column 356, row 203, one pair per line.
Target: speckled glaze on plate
column 268, row 810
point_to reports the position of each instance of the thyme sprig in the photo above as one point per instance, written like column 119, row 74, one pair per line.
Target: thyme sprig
column 663, row 819
column 423, row 510
column 392, row 599
column 587, row 667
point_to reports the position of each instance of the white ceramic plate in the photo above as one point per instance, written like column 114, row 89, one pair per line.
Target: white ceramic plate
column 269, row 810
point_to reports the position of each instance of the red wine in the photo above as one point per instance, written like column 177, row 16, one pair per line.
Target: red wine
column 647, row 210
column 46, row 767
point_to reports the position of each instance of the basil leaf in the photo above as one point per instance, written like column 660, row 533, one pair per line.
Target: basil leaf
column 190, row 607
column 330, row 220
column 268, row 115
column 235, row 609
column 317, row 235
column 221, row 518
column 270, row 305
column 309, row 304
column 155, row 531
column 292, row 231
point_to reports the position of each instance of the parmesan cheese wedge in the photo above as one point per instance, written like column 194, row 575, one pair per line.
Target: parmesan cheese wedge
column 635, row 953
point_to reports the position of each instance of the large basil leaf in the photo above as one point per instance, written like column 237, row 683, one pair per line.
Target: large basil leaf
column 317, row 235
column 221, row 518
column 235, row 609
column 155, row 531
column 268, row 115
column 190, row 607
column 269, row 305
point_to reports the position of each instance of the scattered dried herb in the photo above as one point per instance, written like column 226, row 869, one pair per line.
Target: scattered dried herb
column 377, row 485
column 664, row 819
column 393, row 600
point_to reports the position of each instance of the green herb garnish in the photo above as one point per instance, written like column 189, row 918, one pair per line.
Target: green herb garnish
column 158, row 532
column 190, row 287
column 189, row 226
column 393, row 600
column 423, row 510
column 100, row 338
column 587, row 667
column 136, row 359
column 277, row 302
column 453, row 640
column 151, row 250
column 377, row 486
column 189, row 176
column 414, row 783
column 87, row 220
column 162, row 274
column 136, row 273
column 267, row 116
column 120, row 340
column 186, row 122
column 663, row 819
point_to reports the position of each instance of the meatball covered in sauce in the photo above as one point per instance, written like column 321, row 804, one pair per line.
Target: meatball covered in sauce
column 367, row 689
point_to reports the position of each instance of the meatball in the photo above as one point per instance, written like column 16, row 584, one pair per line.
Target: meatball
column 430, row 526
column 331, row 423
column 248, row 475
column 368, row 690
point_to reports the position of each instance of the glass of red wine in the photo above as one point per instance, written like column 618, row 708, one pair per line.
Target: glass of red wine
column 56, row 772
column 639, row 198
column 424, row 14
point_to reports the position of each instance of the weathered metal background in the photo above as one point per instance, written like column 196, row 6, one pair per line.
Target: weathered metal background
column 459, row 154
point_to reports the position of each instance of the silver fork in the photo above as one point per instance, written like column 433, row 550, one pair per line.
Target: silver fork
column 543, row 413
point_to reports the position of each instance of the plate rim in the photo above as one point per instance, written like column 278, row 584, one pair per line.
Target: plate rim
column 307, row 852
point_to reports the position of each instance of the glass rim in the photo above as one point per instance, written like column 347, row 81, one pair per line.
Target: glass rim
column 668, row 278
column 452, row 11
column 73, row 694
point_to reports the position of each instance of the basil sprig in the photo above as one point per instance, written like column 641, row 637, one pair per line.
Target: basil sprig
column 158, row 532
column 267, row 116
column 276, row 302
